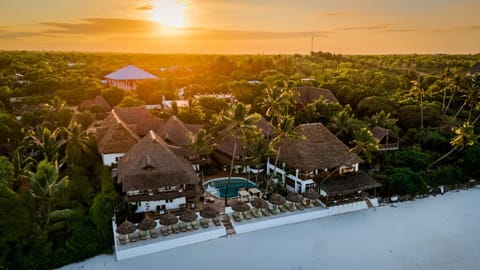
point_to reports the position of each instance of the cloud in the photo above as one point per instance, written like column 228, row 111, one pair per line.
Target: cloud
column 333, row 14
column 145, row 7
column 202, row 33
column 95, row 26
column 384, row 26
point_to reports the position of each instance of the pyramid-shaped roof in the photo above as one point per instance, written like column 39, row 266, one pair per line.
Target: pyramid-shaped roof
column 151, row 164
column 175, row 131
column 114, row 136
column 320, row 149
column 130, row 72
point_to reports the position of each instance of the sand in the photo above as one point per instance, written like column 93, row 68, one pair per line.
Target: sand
column 439, row 232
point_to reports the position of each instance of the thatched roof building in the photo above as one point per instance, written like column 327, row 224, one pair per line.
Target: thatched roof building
column 321, row 149
column 174, row 131
column 152, row 166
column 345, row 184
column 308, row 94
column 113, row 136
column 138, row 119
column 98, row 101
column 388, row 140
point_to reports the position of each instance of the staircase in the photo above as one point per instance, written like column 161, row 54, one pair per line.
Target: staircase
column 228, row 225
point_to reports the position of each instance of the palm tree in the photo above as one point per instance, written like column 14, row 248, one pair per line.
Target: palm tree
column 276, row 102
column 418, row 90
column 365, row 144
column 201, row 143
column 48, row 142
column 384, row 120
column 46, row 185
column 77, row 142
column 258, row 150
column 465, row 136
column 284, row 129
column 237, row 122
column 343, row 124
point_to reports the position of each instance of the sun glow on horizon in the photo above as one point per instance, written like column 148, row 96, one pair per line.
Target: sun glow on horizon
column 168, row 12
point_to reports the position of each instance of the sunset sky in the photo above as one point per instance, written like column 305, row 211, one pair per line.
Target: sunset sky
column 242, row 26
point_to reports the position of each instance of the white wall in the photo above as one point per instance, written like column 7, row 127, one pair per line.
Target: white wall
column 146, row 206
column 109, row 159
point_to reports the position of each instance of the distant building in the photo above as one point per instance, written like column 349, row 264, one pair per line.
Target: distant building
column 387, row 139
column 128, row 77
column 308, row 94
column 97, row 101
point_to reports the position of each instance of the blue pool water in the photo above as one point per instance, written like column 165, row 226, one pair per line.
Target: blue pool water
column 220, row 184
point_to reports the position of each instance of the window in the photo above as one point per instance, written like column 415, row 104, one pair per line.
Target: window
column 310, row 186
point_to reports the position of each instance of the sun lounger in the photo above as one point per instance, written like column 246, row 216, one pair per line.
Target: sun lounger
column 122, row 239
column 176, row 228
column 183, row 227
column 143, row 235
column 153, row 234
column 255, row 212
column 282, row 208
column 204, row 223
column 306, row 204
column 247, row 215
column 273, row 209
column 217, row 221
column 164, row 231
column 133, row 237
column 195, row 225
column 290, row 207
column 237, row 217
column 265, row 212
column 316, row 203
column 300, row 206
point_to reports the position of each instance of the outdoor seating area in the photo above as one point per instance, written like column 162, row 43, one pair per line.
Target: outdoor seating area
column 168, row 224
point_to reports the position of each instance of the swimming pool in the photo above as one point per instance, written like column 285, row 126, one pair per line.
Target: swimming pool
column 218, row 186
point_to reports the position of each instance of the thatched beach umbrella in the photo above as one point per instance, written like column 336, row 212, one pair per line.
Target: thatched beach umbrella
column 146, row 224
column 188, row 216
column 126, row 228
column 294, row 197
column 240, row 206
column 277, row 199
column 259, row 203
column 311, row 194
column 168, row 219
column 208, row 212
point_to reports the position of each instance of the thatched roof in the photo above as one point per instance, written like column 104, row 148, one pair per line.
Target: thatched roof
column 98, row 100
column 348, row 184
column 277, row 199
column 308, row 94
column 240, row 206
column 320, row 149
column 130, row 72
column 188, row 216
column 113, row 136
column 265, row 127
column 209, row 212
column 225, row 144
column 138, row 119
column 380, row 133
column 294, row 197
column 126, row 227
column 168, row 219
column 146, row 224
column 259, row 203
column 311, row 194
column 151, row 164
column 175, row 131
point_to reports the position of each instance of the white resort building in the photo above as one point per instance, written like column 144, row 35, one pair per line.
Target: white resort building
column 128, row 77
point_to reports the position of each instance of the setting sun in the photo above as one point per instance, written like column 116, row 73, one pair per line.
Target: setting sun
column 168, row 12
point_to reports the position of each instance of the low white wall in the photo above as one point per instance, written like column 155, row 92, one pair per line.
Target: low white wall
column 110, row 159
column 165, row 244
column 279, row 220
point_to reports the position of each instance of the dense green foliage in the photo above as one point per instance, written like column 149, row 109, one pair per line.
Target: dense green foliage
column 57, row 200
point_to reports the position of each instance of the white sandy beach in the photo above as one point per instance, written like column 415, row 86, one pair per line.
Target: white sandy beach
column 434, row 233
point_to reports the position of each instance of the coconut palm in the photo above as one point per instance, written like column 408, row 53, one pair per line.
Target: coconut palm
column 283, row 130
column 237, row 121
column 418, row 90
column 46, row 185
column 384, row 120
column 343, row 123
column 47, row 142
column 77, row 142
column 201, row 143
column 276, row 101
column 465, row 136
column 365, row 144
column 258, row 150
